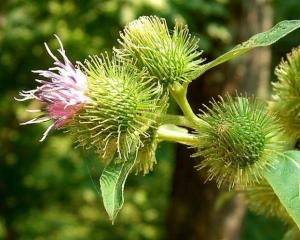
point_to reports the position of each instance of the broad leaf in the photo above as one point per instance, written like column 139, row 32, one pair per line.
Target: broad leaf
column 259, row 40
column 285, row 181
column 112, row 183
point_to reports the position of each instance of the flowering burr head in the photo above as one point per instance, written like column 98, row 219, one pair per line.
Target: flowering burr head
column 124, row 105
column 238, row 141
column 63, row 91
column 169, row 57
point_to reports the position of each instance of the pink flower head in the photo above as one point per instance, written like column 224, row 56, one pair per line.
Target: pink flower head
column 63, row 92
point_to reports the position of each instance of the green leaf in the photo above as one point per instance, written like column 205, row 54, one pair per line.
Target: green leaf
column 112, row 183
column 259, row 40
column 285, row 181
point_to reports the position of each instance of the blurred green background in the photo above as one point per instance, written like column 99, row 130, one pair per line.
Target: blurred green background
column 50, row 190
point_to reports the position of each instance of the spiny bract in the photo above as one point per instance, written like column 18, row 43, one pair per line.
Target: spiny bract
column 238, row 141
column 146, row 154
column 170, row 57
column 292, row 234
column 286, row 97
column 262, row 199
column 124, row 105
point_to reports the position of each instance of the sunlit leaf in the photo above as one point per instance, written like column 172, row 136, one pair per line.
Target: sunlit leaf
column 112, row 183
column 259, row 40
column 285, row 181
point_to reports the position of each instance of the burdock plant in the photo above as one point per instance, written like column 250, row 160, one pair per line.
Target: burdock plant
column 124, row 105
column 285, row 100
column 170, row 57
column 64, row 94
column 239, row 142
column 117, row 104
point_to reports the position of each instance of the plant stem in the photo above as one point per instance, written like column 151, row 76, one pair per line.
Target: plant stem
column 179, row 93
column 173, row 133
column 175, row 119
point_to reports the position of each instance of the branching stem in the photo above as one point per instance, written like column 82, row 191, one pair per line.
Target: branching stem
column 175, row 119
column 170, row 130
column 179, row 93
column 173, row 133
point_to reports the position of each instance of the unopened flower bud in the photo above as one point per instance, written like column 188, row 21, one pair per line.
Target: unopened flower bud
column 287, row 91
column 169, row 57
column 238, row 141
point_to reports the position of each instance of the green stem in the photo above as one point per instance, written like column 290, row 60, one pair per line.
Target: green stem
column 175, row 119
column 179, row 93
column 173, row 133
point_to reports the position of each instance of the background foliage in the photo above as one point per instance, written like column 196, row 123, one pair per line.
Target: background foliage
column 50, row 190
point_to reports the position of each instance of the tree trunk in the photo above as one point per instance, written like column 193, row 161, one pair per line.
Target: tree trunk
column 199, row 210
